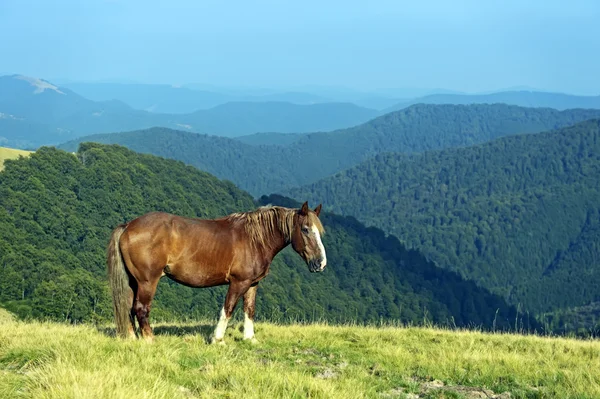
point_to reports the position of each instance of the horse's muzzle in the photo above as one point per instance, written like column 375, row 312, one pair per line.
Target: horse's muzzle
column 316, row 265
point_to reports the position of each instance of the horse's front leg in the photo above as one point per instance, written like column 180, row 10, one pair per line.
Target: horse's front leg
column 236, row 290
column 249, row 308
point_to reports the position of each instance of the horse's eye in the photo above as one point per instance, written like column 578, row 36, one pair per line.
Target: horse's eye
column 305, row 229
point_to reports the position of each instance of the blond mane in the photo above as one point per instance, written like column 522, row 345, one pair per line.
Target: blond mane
column 263, row 222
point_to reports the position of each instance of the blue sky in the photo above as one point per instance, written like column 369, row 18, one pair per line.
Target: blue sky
column 468, row 46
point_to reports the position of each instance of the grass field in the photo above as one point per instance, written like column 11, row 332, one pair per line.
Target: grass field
column 10, row 153
column 44, row 360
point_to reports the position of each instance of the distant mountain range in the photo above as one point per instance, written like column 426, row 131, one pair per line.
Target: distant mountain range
column 536, row 99
column 35, row 112
column 181, row 100
column 266, row 169
column 193, row 97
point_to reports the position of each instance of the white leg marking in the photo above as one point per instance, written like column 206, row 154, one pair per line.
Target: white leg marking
column 248, row 327
column 321, row 247
column 221, row 326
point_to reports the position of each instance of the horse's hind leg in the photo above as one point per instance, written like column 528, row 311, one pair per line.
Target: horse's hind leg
column 143, row 303
column 130, row 302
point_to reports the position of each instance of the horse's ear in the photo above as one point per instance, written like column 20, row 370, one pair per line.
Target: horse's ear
column 318, row 209
column 304, row 209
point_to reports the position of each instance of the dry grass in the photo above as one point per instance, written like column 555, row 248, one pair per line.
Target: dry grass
column 11, row 153
column 44, row 360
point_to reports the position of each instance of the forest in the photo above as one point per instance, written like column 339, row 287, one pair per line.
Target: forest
column 519, row 215
column 57, row 210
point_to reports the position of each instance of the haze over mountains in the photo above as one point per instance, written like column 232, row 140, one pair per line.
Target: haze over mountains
column 523, row 98
column 35, row 112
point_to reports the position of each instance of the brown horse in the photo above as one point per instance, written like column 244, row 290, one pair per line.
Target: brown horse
column 235, row 250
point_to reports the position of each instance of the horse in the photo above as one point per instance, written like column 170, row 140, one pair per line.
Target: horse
column 236, row 249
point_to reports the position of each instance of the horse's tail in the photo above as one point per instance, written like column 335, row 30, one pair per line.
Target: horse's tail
column 119, row 283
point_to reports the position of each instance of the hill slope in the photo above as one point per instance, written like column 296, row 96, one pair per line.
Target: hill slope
column 57, row 211
column 558, row 101
column 264, row 169
column 56, row 361
column 519, row 215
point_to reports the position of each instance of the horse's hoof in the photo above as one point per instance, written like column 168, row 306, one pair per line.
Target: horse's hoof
column 149, row 340
column 252, row 340
column 218, row 341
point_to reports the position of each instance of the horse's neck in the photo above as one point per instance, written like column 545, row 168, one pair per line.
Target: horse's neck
column 273, row 247
column 275, row 243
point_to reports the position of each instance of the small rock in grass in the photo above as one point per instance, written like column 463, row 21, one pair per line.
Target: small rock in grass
column 326, row 374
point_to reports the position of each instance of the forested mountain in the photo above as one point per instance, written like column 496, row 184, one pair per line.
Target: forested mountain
column 58, row 209
column 265, row 169
column 242, row 118
column 519, row 215
column 255, row 168
column 34, row 112
column 533, row 99
column 270, row 138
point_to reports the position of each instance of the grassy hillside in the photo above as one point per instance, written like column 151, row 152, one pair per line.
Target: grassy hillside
column 519, row 215
column 296, row 361
column 11, row 153
column 521, row 98
column 267, row 169
column 57, row 211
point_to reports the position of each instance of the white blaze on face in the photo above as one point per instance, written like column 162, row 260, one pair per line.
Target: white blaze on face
column 321, row 247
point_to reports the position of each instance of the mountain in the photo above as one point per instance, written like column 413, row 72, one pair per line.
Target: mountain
column 241, row 118
column 35, row 112
column 256, row 168
column 519, row 215
column 153, row 98
column 57, row 211
column 260, row 169
column 521, row 98
column 170, row 99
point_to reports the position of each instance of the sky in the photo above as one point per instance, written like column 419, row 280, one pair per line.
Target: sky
column 468, row 46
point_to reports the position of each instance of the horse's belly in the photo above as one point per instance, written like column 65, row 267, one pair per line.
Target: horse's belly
column 196, row 275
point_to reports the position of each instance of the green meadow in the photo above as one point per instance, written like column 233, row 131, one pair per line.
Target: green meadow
column 52, row 360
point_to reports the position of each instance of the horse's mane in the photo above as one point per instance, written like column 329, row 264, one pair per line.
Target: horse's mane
column 263, row 222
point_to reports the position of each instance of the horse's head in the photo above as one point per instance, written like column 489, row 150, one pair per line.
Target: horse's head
column 306, row 238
